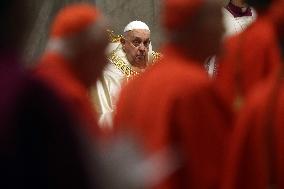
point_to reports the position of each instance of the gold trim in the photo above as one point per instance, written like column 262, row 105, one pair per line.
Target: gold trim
column 156, row 56
column 121, row 65
column 125, row 68
column 113, row 38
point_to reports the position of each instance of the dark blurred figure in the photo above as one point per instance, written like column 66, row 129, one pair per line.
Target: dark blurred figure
column 39, row 144
column 252, row 56
column 174, row 104
column 74, row 59
column 255, row 158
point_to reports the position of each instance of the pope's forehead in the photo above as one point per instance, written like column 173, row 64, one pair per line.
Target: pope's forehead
column 140, row 33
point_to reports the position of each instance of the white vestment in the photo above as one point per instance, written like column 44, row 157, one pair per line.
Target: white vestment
column 106, row 92
column 234, row 25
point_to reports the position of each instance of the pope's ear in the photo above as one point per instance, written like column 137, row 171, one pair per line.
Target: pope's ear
column 122, row 40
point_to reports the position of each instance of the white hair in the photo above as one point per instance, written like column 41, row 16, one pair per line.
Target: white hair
column 136, row 25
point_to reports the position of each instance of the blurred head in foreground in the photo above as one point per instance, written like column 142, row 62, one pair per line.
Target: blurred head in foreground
column 79, row 35
column 195, row 25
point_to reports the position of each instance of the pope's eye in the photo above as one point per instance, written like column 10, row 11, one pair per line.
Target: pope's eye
column 146, row 43
column 136, row 43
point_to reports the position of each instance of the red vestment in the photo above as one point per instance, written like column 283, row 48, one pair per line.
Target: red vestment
column 249, row 58
column 174, row 104
column 56, row 71
column 256, row 150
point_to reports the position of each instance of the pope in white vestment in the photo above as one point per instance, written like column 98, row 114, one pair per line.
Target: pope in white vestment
column 236, row 20
column 118, row 71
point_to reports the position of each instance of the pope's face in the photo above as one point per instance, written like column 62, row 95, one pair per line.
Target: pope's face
column 136, row 47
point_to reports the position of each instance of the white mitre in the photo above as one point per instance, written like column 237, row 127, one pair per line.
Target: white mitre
column 136, row 25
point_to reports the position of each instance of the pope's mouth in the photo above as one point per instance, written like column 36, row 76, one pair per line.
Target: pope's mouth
column 140, row 57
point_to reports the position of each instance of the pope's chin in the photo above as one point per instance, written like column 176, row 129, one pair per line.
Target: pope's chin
column 140, row 59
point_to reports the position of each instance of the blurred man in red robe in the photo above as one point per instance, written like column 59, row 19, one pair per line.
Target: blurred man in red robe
column 40, row 144
column 75, row 58
column 256, row 151
column 174, row 104
column 250, row 57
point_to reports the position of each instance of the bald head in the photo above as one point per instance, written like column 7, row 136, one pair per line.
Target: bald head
column 201, row 33
column 78, row 34
column 74, row 27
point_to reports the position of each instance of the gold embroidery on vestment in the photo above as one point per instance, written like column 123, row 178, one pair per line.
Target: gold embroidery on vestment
column 121, row 65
